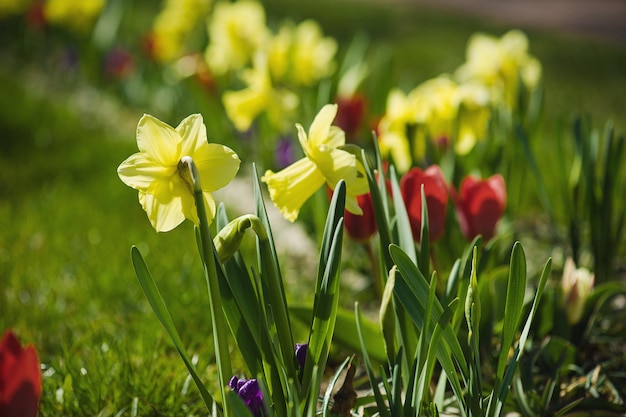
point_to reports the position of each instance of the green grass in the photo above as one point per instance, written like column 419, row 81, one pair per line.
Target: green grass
column 67, row 222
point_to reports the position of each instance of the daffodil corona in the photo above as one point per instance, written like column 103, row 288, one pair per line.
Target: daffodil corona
column 324, row 162
column 163, row 180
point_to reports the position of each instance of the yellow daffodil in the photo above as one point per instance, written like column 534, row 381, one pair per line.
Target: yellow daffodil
column 9, row 7
column 77, row 15
column 500, row 64
column 172, row 26
column 301, row 55
column 323, row 163
column 243, row 106
column 393, row 129
column 236, row 32
column 163, row 181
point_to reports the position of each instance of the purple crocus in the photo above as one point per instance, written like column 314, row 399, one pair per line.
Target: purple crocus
column 249, row 392
column 301, row 354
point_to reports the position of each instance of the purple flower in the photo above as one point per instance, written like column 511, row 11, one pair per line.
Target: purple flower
column 301, row 354
column 284, row 154
column 250, row 393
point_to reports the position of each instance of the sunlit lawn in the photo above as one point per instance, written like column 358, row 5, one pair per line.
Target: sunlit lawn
column 67, row 222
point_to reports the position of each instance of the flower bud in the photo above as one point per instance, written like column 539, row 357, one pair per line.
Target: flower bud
column 436, row 193
column 229, row 239
column 20, row 378
column 577, row 284
column 480, row 205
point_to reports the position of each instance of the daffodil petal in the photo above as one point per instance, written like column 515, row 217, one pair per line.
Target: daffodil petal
column 352, row 205
column 163, row 216
column 243, row 106
column 291, row 187
column 158, row 140
column 139, row 172
column 318, row 132
column 336, row 137
column 193, row 134
column 335, row 165
column 217, row 165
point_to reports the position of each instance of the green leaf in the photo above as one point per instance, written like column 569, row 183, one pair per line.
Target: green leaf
column 327, row 289
column 273, row 287
column 158, row 306
column 403, row 225
column 331, row 387
column 424, row 259
column 501, row 388
column 514, row 304
column 380, row 400
column 411, row 290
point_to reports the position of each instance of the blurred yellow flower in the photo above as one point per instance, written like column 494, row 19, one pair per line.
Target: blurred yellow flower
column 324, row 162
column 172, row 26
column 163, row 181
column 77, row 15
column 577, row 285
column 236, row 32
column 439, row 110
column 8, row 7
column 393, row 130
column 500, row 64
column 244, row 106
column 301, row 55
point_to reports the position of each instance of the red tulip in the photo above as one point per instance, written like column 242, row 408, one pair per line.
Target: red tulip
column 361, row 228
column 436, row 193
column 350, row 115
column 20, row 378
column 480, row 205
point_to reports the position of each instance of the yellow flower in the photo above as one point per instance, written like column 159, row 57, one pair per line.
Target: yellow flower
column 500, row 63
column 323, row 163
column 236, row 32
column 163, row 182
column 243, row 106
column 173, row 25
column 393, row 128
column 577, row 285
column 77, row 15
column 301, row 55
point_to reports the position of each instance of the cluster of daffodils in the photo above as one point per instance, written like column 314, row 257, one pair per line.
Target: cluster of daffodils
column 457, row 108
column 159, row 171
column 77, row 16
column 173, row 25
column 271, row 66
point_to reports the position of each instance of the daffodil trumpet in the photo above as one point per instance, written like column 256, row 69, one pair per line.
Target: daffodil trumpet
column 220, row 340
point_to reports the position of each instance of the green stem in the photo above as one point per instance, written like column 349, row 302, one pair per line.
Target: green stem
column 220, row 338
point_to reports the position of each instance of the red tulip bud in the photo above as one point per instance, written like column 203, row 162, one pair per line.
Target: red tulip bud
column 20, row 378
column 480, row 205
column 361, row 228
column 436, row 193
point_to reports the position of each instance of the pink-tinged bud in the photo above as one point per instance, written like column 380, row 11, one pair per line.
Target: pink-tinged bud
column 480, row 205
column 361, row 227
column 577, row 284
column 436, row 193
column 20, row 378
